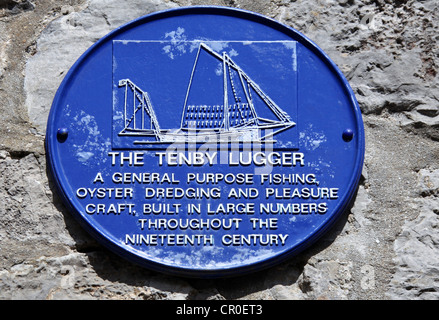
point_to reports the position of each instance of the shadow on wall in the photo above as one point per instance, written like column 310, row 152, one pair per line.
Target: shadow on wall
column 16, row 6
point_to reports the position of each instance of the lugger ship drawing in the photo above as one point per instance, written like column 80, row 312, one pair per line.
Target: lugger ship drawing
column 234, row 119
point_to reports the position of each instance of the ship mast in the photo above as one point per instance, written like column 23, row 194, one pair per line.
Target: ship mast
column 226, row 102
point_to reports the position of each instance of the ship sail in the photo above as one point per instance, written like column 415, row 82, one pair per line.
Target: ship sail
column 241, row 97
column 140, row 119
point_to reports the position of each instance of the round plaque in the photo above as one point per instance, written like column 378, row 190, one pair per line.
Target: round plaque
column 205, row 141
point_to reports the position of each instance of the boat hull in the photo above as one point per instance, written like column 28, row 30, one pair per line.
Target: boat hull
column 260, row 134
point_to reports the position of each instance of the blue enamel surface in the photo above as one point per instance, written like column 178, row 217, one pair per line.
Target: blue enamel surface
column 157, row 53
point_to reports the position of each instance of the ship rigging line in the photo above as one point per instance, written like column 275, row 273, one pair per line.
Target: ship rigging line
column 144, row 104
column 280, row 114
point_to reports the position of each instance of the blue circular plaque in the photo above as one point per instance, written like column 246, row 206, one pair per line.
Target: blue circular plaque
column 205, row 141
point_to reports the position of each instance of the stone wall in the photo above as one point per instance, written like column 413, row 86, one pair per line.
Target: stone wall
column 385, row 247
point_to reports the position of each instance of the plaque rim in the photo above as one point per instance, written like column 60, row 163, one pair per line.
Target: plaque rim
column 52, row 138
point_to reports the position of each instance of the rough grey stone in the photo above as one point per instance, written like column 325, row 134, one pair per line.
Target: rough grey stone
column 416, row 247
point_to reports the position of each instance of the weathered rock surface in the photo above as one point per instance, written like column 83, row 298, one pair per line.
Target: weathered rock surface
column 385, row 247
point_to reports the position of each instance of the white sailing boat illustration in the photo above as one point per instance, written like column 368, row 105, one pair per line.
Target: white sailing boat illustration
column 234, row 119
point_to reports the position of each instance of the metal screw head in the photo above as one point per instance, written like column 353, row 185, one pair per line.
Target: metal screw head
column 348, row 134
column 62, row 134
